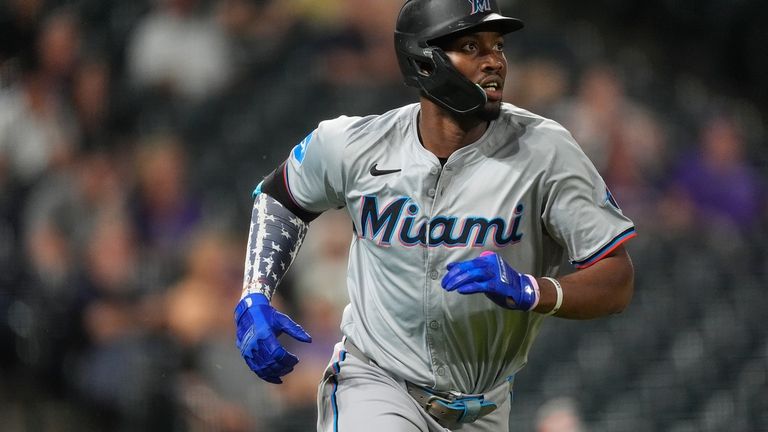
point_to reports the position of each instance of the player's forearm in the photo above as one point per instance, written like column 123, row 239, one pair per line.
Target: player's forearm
column 604, row 288
column 274, row 239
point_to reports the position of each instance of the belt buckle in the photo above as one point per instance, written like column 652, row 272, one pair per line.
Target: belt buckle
column 452, row 395
column 455, row 407
column 440, row 396
column 456, row 395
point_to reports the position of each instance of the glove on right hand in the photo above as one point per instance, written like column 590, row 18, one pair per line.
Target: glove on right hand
column 258, row 326
column 491, row 275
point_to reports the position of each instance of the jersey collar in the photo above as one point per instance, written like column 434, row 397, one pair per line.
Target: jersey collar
column 466, row 155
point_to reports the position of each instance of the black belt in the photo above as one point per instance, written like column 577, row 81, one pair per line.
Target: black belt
column 355, row 351
column 447, row 407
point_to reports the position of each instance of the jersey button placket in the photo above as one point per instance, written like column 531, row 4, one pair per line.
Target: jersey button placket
column 435, row 267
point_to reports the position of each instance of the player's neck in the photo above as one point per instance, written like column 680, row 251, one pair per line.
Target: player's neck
column 443, row 133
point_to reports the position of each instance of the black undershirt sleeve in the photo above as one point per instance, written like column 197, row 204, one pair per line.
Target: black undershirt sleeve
column 275, row 186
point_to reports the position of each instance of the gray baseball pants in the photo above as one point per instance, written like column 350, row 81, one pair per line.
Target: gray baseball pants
column 356, row 395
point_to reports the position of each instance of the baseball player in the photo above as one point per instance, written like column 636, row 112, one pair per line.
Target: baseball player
column 463, row 209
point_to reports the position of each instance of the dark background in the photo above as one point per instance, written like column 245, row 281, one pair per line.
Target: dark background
column 132, row 133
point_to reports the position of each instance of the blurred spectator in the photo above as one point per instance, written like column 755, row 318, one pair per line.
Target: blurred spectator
column 112, row 268
column 60, row 216
column 265, row 34
column 210, row 284
column 357, row 57
column 599, row 116
column 362, row 53
column 19, row 20
column 92, row 104
column 58, row 46
column 623, row 138
column 717, row 180
column 237, row 136
column 178, row 48
column 537, row 85
column 327, row 12
column 216, row 392
column 321, row 266
column 165, row 212
column 37, row 130
column 559, row 415
column 121, row 369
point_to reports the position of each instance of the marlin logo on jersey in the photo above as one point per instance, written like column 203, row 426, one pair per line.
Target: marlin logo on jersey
column 399, row 220
column 480, row 6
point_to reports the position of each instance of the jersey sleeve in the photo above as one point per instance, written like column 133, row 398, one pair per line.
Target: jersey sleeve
column 313, row 173
column 579, row 210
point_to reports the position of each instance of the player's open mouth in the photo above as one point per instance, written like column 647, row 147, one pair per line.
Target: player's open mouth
column 493, row 89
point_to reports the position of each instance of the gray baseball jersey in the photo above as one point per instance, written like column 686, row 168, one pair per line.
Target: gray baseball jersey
column 524, row 190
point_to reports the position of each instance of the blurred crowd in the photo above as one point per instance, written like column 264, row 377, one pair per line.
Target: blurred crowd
column 133, row 132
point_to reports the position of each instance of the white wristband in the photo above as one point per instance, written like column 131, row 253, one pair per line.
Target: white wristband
column 559, row 301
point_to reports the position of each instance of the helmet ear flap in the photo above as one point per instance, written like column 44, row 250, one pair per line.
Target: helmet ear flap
column 447, row 87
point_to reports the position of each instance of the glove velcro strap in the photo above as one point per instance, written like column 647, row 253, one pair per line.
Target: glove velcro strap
column 248, row 301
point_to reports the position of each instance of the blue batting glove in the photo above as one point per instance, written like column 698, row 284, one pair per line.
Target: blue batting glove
column 258, row 326
column 490, row 275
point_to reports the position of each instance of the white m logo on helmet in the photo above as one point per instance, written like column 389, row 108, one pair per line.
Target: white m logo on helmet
column 480, row 6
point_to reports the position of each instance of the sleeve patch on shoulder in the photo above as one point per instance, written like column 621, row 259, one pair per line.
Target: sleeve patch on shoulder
column 301, row 148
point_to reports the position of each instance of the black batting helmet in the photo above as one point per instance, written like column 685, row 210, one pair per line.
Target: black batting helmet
column 425, row 65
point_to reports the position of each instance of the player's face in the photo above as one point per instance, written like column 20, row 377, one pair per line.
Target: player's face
column 480, row 58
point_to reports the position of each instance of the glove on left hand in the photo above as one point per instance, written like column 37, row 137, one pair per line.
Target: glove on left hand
column 258, row 326
column 489, row 274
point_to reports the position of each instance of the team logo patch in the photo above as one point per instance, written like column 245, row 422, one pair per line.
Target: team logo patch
column 301, row 148
column 479, row 6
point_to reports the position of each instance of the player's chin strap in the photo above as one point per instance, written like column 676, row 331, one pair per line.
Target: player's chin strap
column 449, row 408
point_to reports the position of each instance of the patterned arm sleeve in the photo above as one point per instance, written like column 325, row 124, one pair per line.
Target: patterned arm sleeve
column 274, row 239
